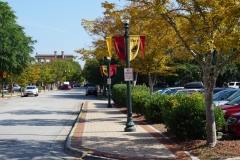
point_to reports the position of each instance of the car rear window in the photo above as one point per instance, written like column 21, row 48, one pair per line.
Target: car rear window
column 31, row 87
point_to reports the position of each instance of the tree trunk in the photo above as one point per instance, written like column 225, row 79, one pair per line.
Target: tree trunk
column 135, row 78
column 150, row 82
column 209, row 84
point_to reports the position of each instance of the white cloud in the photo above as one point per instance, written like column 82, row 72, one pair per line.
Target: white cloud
column 47, row 27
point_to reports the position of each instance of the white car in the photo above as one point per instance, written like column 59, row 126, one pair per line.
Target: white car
column 30, row 90
column 233, row 84
column 16, row 87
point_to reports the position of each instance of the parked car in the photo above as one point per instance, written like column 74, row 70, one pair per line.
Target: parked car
column 215, row 90
column 186, row 91
column 65, row 87
column 169, row 90
column 91, row 90
column 193, row 85
column 233, row 84
column 230, row 98
column 231, row 107
column 30, row 90
column 224, row 94
column 76, row 85
column 16, row 87
column 232, row 127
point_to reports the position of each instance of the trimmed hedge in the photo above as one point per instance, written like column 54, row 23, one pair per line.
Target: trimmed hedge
column 187, row 118
column 119, row 94
column 183, row 115
column 139, row 95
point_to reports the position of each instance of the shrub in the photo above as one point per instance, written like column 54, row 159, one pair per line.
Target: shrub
column 139, row 95
column 153, row 107
column 187, row 120
column 119, row 94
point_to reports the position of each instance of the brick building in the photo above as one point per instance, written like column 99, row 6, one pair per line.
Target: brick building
column 42, row 58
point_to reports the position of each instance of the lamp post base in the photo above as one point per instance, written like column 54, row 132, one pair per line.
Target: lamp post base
column 130, row 127
column 109, row 106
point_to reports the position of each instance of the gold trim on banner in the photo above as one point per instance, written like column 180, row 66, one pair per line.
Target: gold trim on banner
column 105, row 71
column 134, row 42
column 109, row 45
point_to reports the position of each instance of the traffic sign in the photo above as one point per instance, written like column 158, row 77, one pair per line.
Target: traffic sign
column 109, row 81
column 128, row 74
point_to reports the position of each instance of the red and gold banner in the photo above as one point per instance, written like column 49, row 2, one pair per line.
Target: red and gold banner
column 135, row 42
column 120, row 47
column 104, row 70
column 109, row 45
column 3, row 74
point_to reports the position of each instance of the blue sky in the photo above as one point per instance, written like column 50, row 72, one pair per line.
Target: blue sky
column 56, row 24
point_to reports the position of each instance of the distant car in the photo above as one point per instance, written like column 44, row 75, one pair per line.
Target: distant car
column 186, row 91
column 191, row 85
column 65, row 87
column 224, row 94
column 16, row 87
column 76, row 85
column 169, row 90
column 233, row 84
column 215, row 90
column 231, row 107
column 91, row 90
column 230, row 98
column 30, row 90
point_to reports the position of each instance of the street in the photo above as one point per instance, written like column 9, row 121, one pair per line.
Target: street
column 33, row 128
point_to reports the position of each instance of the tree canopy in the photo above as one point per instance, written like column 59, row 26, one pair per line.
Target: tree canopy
column 15, row 46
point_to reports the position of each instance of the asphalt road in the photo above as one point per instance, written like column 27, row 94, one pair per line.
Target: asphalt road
column 35, row 128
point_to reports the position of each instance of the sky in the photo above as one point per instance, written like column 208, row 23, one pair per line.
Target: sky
column 56, row 24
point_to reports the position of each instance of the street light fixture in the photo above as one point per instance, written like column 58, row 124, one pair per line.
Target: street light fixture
column 109, row 84
column 129, row 125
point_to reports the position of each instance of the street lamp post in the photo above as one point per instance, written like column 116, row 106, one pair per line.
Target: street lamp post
column 2, row 87
column 109, row 84
column 104, row 86
column 129, row 125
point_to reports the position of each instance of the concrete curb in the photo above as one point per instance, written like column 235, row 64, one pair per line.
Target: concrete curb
column 67, row 146
column 76, row 152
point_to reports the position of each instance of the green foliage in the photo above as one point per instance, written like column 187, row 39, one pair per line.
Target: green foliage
column 119, row 94
column 220, row 121
column 139, row 94
column 91, row 71
column 187, row 118
column 153, row 107
column 15, row 46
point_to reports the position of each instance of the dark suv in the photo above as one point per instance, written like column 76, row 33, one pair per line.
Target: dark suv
column 91, row 90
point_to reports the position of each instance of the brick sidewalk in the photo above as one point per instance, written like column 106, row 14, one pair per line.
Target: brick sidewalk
column 99, row 131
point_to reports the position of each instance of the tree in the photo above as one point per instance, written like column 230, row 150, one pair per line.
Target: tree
column 157, row 60
column 91, row 71
column 15, row 46
column 205, row 29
